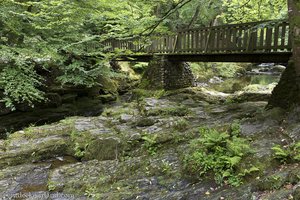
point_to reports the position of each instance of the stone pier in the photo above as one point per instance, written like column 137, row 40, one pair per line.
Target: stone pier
column 164, row 74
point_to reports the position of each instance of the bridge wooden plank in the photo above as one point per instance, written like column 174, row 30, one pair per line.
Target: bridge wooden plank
column 221, row 45
column 196, row 44
column 245, row 40
column 207, row 41
column 199, row 42
column 191, row 46
column 204, row 36
column 186, row 44
column 170, row 44
column 239, row 36
column 225, row 39
column 183, row 42
column 213, row 41
column 228, row 39
column 254, row 40
column 193, row 43
column 276, row 37
column 261, row 39
column 192, row 39
column 222, row 39
column 283, row 36
column 179, row 43
column 164, row 44
column 217, row 40
column 190, row 43
column 241, row 46
column 269, row 33
column 233, row 38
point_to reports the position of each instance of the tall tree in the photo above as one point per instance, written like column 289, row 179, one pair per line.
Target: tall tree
column 287, row 92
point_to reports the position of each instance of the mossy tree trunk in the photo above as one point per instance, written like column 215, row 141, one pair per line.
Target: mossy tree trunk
column 287, row 92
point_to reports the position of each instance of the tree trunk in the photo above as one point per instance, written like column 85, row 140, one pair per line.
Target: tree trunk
column 287, row 92
column 294, row 18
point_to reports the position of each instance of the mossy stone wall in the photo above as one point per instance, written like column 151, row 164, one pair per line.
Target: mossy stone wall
column 165, row 74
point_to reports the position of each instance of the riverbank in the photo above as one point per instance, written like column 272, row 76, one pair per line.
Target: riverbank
column 137, row 150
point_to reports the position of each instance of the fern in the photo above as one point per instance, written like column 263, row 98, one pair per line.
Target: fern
column 287, row 154
column 220, row 153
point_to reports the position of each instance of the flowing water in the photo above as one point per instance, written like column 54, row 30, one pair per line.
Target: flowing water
column 232, row 85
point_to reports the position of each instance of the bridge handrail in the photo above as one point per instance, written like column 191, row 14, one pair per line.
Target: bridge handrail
column 237, row 25
column 232, row 38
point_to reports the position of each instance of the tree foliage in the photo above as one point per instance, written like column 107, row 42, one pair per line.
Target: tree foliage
column 237, row 11
column 67, row 35
column 63, row 34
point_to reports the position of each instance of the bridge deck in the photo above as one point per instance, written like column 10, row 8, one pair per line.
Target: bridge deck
column 267, row 41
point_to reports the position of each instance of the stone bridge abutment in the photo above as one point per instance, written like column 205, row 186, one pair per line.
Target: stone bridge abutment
column 165, row 74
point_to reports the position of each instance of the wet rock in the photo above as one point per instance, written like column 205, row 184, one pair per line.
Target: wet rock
column 128, row 154
column 145, row 121
column 200, row 95
column 275, row 181
column 156, row 107
column 296, row 193
column 69, row 98
column 135, row 136
column 66, row 177
column 24, row 180
column 294, row 131
column 106, row 148
column 215, row 80
column 264, row 121
column 278, row 68
column 152, row 129
column 125, row 118
column 132, row 178
column 218, row 110
column 106, row 98
column 3, row 109
column 22, row 150
column 14, row 121
column 250, row 96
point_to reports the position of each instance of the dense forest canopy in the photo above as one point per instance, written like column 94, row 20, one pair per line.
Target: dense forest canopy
column 66, row 36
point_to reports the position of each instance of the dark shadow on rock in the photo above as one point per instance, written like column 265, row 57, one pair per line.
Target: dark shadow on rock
column 19, row 119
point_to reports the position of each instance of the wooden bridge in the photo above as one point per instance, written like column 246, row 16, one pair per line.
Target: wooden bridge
column 266, row 41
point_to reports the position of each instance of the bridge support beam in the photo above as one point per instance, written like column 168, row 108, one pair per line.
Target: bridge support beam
column 169, row 75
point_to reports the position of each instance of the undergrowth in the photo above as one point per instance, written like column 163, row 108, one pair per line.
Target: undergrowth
column 288, row 153
column 220, row 154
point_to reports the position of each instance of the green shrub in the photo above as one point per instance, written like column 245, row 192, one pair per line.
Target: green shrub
column 205, row 71
column 142, row 93
column 181, row 125
column 175, row 111
column 150, row 144
column 287, row 154
column 235, row 128
column 139, row 68
column 219, row 153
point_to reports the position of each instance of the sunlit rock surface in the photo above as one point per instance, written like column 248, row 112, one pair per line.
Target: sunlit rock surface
column 134, row 150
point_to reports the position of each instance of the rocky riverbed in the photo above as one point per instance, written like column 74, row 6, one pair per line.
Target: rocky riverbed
column 136, row 150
